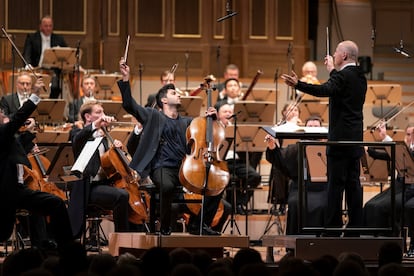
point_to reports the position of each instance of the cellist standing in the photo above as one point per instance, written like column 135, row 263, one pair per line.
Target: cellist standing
column 162, row 148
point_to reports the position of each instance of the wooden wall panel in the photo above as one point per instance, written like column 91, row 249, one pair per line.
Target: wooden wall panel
column 186, row 19
column 149, row 18
column 114, row 14
column 283, row 13
column 24, row 21
column 258, row 19
column 69, row 17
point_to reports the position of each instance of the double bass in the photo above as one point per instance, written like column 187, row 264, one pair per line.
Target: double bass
column 116, row 166
column 203, row 171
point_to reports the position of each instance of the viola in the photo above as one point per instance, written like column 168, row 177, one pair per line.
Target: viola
column 116, row 166
column 203, row 171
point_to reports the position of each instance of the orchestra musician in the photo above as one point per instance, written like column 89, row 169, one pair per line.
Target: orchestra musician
column 161, row 149
column 310, row 73
column 377, row 210
column 286, row 160
column 89, row 89
column 230, row 72
column 346, row 89
column 95, row 188
column 16, row 194
column 248, row 176
column 10, row 103
column 35, row 45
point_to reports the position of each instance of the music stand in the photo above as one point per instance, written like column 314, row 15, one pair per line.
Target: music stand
column 377, row 170
column 190, row 106
column 319, row 108
column 255, row 112
column 53, row 136
column 61, row 156
column 372, row 135
column 121, row 133
column 107, row 84
column 115, row 109
column 262, row 95
column 382, row 95
column 50, row 110
column 203, row 95
column 63, row 58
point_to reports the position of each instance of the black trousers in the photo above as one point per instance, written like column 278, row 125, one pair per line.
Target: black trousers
column 45, row 204
column 167, row 179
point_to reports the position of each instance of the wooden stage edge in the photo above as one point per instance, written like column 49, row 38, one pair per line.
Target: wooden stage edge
column 311, row 247
column 143, row 241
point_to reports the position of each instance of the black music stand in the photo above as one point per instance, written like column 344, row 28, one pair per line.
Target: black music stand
column 107, row 84
column 377, row 170
column 115, row 109
column 255, row 112
column 190, row 106
column 319, row 108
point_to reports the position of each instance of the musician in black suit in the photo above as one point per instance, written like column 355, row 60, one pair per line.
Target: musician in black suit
column 14, row 194
column 10, row 103
column 96, row 188
column 286, row 160
column 346, row 90
column 88, row 88
column 34, row 47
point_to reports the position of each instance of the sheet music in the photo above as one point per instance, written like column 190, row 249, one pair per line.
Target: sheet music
column 86, row 155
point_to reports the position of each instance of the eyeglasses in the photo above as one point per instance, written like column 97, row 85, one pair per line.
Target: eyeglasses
column 24, row 83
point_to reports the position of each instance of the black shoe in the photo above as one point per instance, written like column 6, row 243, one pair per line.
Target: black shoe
column 410, row 252
column 207, row 231
column 165, row 231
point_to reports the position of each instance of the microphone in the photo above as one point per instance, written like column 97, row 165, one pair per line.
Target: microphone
column 402, row 52
column 229, row 15
column 141, row 67
column 234, row 115
column 276, row 75
column 187, row 55
column 218, row 52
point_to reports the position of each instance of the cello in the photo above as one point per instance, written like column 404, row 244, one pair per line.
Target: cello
column 116, row 166
column 202, row 170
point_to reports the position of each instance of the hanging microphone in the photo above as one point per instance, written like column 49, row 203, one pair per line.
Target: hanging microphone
column 402, row 52
column 229, row 13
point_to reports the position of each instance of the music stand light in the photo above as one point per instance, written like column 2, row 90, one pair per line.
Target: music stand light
column 190, row 106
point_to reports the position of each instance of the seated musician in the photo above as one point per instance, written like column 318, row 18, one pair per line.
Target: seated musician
column 15, row 193
column 96, row 188
column 88, row 88
column 162, row 148
column 10, row 103
column 248, row 176
column 377, row 210
column 231, row 92
column 286, row 159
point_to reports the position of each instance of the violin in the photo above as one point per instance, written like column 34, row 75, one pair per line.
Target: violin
column 116, row 166
column 202, row 171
